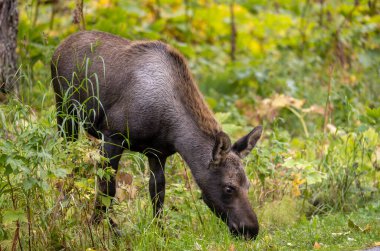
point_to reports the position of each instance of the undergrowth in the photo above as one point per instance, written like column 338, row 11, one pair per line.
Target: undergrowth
column 48, row 187
column 307, row 70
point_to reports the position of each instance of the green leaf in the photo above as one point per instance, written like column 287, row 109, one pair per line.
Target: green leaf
column 314, row 177
column 222, row 116
column 231, row 129
column 44, row 185
column 106, row 201
column 60, row 172
column 373, row 113
column 8, row 170
column 10, row 216
column 29, row 183
column 15, row 164
column 100, row 173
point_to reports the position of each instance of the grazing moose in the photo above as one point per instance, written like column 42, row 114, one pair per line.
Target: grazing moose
column 141, row 96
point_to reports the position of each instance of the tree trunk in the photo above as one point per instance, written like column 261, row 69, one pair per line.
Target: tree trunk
column 8, row 42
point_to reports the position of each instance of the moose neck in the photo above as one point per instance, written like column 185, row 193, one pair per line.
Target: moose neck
column 195, row 147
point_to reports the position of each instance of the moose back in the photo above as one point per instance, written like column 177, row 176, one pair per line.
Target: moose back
column 141, row 96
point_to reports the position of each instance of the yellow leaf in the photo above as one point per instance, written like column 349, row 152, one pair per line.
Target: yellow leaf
column 366, row 229
column 296, row 191
column 353, row 78
column 104, row 3
column 297, row 181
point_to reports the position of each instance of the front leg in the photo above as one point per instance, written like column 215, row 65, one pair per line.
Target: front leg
column 157, row 183
column 112, row 150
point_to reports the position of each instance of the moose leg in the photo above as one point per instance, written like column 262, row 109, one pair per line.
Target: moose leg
column 157, row 183
column 112, row 150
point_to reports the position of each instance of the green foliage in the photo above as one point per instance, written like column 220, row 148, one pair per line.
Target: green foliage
column 307, row 70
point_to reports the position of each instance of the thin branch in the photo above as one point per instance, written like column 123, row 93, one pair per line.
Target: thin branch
column 233, row 31
column 78, row 17
column 327, row 106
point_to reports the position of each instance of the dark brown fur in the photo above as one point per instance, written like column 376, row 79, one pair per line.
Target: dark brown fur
column 191, row 96
column 141, row 96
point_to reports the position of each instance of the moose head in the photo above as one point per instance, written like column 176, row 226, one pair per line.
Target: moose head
column 226, row 188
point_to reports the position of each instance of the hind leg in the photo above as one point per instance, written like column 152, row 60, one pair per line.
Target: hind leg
column 157, row 183
column 112, row 150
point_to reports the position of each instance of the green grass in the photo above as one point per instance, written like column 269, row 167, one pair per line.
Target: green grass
column 47, row 187
column 183, row 231
column 187, row 223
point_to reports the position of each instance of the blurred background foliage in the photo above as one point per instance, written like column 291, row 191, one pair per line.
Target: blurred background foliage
column 295, row 48
column 308, row 70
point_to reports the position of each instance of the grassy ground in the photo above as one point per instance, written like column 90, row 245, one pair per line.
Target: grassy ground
column 48, row 187
column 282, row 228
column 61, row 223
column 331, row 232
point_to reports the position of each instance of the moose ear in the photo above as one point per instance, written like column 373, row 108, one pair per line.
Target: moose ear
column 243, row 146
column 221, row 148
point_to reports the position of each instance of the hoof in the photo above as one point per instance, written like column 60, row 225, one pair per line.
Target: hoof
column 117, row 232
column 115, row 228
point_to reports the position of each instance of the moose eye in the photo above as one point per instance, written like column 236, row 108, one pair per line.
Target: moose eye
column 229, row 189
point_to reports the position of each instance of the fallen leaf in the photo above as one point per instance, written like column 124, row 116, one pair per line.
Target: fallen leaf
column 124, row 188
column 270, row 107
column 232, row 248
column 92, row 156
column 317, row 245
column 314, row 109
column 366, row 229
column 124, row 178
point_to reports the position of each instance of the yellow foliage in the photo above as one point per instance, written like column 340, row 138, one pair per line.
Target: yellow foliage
column 104, row 3
column 297, row 181
column 255, row 47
